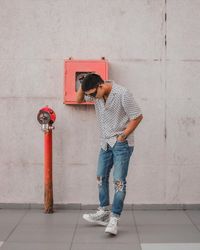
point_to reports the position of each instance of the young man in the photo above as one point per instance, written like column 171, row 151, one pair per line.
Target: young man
column 118, row 116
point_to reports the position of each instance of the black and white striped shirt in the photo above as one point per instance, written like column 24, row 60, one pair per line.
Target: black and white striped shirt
column 114, row 115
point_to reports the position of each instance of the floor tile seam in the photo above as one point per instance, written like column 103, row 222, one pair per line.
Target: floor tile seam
column 192, row 221
column 106, row 243
column 16, row 225
column 166, row 226
column 75, row 229
column 136, row 227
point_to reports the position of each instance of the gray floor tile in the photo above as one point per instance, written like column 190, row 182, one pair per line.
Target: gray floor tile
column 168, row 234
column 112, row 246
column 39, row 227
column 42, row 233
column 177, row 246
column 194, row 215
column 35, row 246
column 5, row 231
column 65, row 218
column 161, row 217
column 1, row 243
column 9, row 218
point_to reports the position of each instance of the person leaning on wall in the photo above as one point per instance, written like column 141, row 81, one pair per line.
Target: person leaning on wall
column 118, row 116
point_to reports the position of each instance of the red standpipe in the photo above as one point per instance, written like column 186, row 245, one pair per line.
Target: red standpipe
column 48, row 183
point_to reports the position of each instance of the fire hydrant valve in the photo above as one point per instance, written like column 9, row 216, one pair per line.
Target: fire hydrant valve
column 46, row 117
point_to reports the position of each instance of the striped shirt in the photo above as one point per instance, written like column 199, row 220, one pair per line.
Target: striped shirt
column 114, row 115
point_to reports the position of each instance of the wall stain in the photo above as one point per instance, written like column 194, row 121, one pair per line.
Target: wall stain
column 187, row 125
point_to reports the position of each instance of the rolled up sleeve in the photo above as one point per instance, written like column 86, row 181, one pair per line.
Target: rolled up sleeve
column 130, row 106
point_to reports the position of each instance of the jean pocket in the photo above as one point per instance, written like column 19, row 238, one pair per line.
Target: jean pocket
column 121, row 144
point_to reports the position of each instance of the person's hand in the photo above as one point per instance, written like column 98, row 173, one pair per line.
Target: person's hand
column 120, row 138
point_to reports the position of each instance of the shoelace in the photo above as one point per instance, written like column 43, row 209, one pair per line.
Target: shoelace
column 113, row 221
column 98, row 213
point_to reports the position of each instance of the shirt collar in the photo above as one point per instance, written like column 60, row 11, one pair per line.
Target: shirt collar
column 112, row 93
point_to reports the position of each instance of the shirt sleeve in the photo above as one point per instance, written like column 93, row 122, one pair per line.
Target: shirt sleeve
column 130, row 106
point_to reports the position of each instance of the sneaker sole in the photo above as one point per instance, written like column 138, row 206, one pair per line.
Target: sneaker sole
column 95, row 221
column 109, row 232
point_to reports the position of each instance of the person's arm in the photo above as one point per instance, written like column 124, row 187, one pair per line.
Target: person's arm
column 134, row 113
column 131, row 126
column 80, row 95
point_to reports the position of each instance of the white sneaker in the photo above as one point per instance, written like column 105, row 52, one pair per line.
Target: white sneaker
column 112, row 226
column 101, row 217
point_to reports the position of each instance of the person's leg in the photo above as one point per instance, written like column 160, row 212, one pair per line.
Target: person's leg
column 105, row 164
column 121, row 156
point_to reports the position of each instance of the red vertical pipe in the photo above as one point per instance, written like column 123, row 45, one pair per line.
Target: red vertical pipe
column 48, row 183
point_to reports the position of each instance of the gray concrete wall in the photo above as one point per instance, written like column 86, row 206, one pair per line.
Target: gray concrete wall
column 157, row 59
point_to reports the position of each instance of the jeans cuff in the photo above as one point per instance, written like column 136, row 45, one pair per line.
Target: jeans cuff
column 106, row 208
column 115, row 215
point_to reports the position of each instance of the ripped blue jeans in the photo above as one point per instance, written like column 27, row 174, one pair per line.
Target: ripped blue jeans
column 117, row 156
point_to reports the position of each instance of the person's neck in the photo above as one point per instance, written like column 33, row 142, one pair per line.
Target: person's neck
column 108, row 88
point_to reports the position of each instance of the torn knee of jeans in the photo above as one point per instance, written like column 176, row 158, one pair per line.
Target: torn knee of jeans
column 99, row 180
column 119, row 185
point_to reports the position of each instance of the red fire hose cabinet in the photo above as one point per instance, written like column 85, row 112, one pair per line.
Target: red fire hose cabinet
column 75, row 70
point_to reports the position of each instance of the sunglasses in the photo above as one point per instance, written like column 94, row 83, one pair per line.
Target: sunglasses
column 94, row 93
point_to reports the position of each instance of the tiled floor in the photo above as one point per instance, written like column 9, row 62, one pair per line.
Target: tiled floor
column 66, row 230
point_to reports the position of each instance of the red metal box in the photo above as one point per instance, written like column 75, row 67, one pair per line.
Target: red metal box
column 74, row 70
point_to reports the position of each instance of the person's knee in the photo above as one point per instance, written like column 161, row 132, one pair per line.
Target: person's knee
column 102, row 180
column 119, row 185
column 99, row 181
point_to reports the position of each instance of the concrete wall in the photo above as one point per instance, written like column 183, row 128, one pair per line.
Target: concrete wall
column 157, row 59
